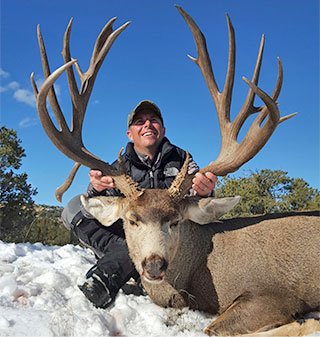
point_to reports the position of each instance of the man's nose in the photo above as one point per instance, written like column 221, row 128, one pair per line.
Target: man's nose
column 147, row 123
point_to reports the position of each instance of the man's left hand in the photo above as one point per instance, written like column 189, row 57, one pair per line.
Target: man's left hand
column 203, row 184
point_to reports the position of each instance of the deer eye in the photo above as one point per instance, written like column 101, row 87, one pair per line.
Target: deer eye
column 133, row 223
column 174, row 224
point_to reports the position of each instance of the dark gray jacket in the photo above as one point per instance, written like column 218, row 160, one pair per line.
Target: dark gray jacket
column 158, row 174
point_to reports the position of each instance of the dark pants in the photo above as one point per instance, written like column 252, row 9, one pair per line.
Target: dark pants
column 108, row 243
column 109, row 246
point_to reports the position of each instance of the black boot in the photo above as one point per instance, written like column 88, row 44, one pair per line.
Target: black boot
column 114, row 266
column 101, row 289
column 135, row 287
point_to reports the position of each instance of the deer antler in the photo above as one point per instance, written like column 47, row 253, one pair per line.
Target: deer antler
column 69, row 141
column 65, row 186
column 182, row 182
column 233, row 154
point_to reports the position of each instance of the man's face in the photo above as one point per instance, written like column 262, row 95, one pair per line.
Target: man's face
column 146, row 132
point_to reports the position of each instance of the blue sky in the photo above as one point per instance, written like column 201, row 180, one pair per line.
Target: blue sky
column 148, row 61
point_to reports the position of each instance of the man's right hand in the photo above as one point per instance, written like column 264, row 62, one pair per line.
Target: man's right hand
column 100, row 182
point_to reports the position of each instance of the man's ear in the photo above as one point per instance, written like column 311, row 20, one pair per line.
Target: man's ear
column 129, row 134
column 207, row 210
column 106, row 210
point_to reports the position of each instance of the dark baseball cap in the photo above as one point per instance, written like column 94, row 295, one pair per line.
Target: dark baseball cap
column 144, row 105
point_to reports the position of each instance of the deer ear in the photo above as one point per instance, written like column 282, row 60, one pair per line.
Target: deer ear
column 207, row 210
column 106, row 210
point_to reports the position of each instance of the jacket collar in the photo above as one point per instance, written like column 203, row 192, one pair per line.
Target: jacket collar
column 140, row 159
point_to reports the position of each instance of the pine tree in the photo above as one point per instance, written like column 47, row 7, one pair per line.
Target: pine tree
column 268, row 191
column 16, row 204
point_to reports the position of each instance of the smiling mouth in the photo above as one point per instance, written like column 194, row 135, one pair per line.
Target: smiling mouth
column 149, row 133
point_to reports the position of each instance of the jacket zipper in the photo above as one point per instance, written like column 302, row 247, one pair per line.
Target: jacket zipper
column 151, row 179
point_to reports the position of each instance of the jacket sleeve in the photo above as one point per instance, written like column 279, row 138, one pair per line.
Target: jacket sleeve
column 193, row 167
column 109, row 192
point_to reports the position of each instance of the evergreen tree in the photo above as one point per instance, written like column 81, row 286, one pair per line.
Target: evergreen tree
column 301, row 196
column 48, row 229
column 16, row 204
column 268, row 191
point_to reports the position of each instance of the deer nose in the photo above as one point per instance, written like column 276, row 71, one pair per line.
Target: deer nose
column 154, row 267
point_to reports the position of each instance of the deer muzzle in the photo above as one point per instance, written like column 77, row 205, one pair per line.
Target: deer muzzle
column 154, row 268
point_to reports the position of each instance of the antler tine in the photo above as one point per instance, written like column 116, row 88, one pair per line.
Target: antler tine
column 248, row 108
column 65, row 186
column 181, row 184
column 202, row 60
column 225, row 102
column 233, row 154
column 73, row 87
column 277, row 90
column 68, row 141
column 51, row 95
column 278, row 86
column 131, row 186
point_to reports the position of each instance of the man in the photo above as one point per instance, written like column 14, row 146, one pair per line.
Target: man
column 153, row 162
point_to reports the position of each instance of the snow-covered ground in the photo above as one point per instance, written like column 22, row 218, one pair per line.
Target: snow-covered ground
column 39, row 297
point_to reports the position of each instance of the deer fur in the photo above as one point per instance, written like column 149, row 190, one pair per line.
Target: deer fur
column 256, row 273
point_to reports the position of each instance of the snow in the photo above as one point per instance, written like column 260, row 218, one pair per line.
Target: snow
column 39, row 296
